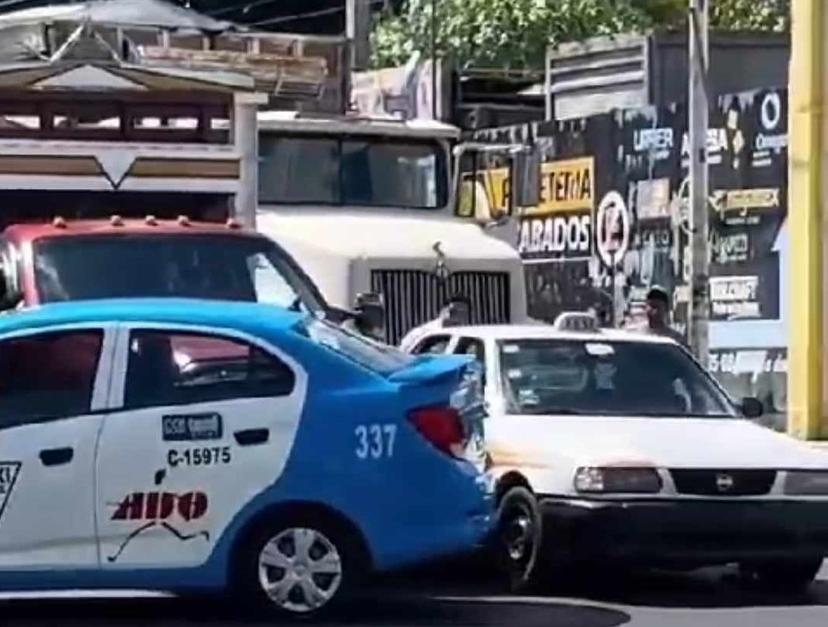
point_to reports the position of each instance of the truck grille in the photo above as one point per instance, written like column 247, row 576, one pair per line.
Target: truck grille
column 414, row 297
column 723, row 482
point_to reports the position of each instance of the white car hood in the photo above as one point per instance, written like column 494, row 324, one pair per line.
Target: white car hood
column 663, row 442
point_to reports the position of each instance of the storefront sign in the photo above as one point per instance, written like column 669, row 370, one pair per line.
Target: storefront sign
column 734, row 297
column 567, row 185
column 556, row 237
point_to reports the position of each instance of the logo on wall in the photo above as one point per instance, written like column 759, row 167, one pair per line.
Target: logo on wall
column 156, row 509
column 612, row 229
column 657, row 143
column 734, row 297
column 8, row 477
column 735, row 137
column 771, row 112
column 773, row 137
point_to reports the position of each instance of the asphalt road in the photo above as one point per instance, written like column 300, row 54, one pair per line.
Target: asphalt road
column 711, row 598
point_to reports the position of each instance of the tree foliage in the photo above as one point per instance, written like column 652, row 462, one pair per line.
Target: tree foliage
column 502, row 33
column 734, row 15
column 752, row 15
column 515, row 33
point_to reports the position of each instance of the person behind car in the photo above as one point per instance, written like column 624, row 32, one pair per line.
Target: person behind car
column 456, row 312
column 657, row 309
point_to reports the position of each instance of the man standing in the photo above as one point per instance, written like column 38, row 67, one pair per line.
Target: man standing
column 657, row 308
column 456, row 312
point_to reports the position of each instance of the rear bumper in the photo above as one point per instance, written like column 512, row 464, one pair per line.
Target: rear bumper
column 423, row 544
column 698, row 532
column 455, row 516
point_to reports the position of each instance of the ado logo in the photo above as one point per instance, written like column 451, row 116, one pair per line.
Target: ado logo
column 161, row 506
column 156, row 509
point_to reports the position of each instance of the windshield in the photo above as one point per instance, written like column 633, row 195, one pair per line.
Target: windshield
column 216, row 267
column 543, row 376
column 369, row 172
column 372, row 355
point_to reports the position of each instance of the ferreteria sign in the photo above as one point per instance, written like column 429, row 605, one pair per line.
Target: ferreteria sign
column 567, row 185
column 560, row 227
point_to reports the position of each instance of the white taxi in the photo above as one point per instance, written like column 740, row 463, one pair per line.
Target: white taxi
column 611, row 445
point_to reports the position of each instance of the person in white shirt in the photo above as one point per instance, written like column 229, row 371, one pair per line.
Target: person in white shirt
column 456, row 312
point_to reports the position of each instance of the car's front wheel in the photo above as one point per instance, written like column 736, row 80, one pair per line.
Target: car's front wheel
column 784, row 575
column 298, row 568
column 518, row 539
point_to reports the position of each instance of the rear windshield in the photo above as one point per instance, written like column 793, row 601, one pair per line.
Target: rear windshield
column 191, row 266
column 374, row 356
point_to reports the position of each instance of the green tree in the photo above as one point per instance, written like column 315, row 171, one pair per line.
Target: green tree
column 515, row 33
column 498, row 33
column 736, row 15
column 751, row 15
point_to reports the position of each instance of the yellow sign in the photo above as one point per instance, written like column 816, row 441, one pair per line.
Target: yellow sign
column 566, row 186
column 766, row 198
column 491, row 194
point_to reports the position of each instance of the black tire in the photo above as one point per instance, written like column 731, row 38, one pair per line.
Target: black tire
column 331, row 542
column 787, row 576
column 518, row 539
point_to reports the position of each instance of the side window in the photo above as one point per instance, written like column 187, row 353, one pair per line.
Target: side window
column 10, row 262
column 48, row 376
column 471, row 346
column 184, row 368
column 434, row 345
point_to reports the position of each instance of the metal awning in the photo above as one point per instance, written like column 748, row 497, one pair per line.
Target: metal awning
column 109, row 44
column 131, row 13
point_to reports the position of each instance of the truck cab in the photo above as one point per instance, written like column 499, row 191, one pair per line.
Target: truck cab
column 121, row 258
column 367, row 207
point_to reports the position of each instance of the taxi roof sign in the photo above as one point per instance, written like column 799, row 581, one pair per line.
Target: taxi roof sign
column 576, row 321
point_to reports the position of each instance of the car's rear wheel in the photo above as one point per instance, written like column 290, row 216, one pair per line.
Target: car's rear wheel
column 518, row 538
column 784, row 575
column 299, row 568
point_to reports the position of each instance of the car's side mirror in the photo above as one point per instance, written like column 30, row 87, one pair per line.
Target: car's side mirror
column 526, row 172
column 751, row 407
column 370, row 311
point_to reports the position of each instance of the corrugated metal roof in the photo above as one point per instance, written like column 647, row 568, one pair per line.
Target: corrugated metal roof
column 135, row 13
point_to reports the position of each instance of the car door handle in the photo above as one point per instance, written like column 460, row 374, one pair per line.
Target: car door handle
column 252, row 437
column 56, row 456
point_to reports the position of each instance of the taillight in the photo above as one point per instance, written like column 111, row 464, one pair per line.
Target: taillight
column 442, row 427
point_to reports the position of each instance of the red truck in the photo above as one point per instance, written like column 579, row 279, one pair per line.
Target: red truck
column 117, row 258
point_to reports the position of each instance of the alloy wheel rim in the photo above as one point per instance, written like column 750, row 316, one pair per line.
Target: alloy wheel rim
column 300, row 570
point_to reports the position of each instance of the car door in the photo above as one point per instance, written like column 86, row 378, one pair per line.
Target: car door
column 207, row 423
column 53, row 388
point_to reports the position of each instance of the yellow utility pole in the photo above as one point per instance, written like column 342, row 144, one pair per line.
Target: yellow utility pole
column 808, row 221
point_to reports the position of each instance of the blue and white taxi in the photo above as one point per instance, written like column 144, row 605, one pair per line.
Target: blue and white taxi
column 188, row 445
column 611, row 445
